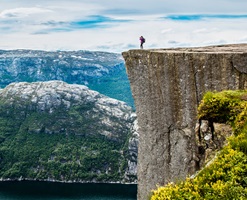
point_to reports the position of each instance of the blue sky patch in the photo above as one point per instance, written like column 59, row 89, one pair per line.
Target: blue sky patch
column 91, row 22
column 202, row 16
column 94, row 21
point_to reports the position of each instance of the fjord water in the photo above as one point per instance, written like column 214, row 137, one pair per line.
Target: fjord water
column 30, row 190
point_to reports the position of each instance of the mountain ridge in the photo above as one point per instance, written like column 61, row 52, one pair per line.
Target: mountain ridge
column 65, row 132
column 100, row 71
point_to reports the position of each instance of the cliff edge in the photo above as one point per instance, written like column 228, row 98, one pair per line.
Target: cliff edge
column 167, row 86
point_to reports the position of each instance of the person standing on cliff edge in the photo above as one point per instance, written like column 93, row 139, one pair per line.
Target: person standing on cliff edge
column 142, row 41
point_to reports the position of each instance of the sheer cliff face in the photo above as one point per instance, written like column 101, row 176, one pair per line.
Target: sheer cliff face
column 167, row 86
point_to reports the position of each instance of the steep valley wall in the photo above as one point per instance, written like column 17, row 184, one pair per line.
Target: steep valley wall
column 167, row 86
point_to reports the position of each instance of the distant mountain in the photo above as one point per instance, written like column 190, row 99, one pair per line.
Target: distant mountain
column 65, row 132
column 100, row 71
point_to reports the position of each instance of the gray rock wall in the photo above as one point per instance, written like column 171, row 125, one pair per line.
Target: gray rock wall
column 167, row 86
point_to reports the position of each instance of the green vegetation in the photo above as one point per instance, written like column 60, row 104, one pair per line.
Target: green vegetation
column 63, row 145
column 60, row 157
column 226, row 177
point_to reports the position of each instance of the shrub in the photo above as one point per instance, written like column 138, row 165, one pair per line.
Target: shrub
column 226, row 177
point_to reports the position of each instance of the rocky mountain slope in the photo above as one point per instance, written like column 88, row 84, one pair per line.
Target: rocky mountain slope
column 65, row 132
column 100, row 71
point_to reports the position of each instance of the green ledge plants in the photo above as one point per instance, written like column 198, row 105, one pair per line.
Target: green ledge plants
column 226, row 177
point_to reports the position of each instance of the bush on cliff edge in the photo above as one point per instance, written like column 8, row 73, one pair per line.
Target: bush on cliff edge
column 226, row 177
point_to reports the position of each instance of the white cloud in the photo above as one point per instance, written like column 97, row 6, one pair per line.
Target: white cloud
column 69, row 25
column 22, row 12
column 166, row 31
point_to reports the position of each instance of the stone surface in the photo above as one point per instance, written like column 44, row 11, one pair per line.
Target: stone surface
column 167, row 86
column 210, row 141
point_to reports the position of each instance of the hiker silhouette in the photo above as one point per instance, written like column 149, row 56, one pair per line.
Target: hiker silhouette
column 142, row 41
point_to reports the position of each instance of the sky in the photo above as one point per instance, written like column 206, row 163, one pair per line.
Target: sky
column 116, row 25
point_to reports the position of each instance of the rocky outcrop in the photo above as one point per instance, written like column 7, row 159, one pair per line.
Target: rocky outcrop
column 210, row 138
column 65, row 132
column 53, row 95
column 167, row 86
column 131, row 173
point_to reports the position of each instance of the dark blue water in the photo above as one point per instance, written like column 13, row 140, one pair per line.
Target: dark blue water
column 29, row 190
